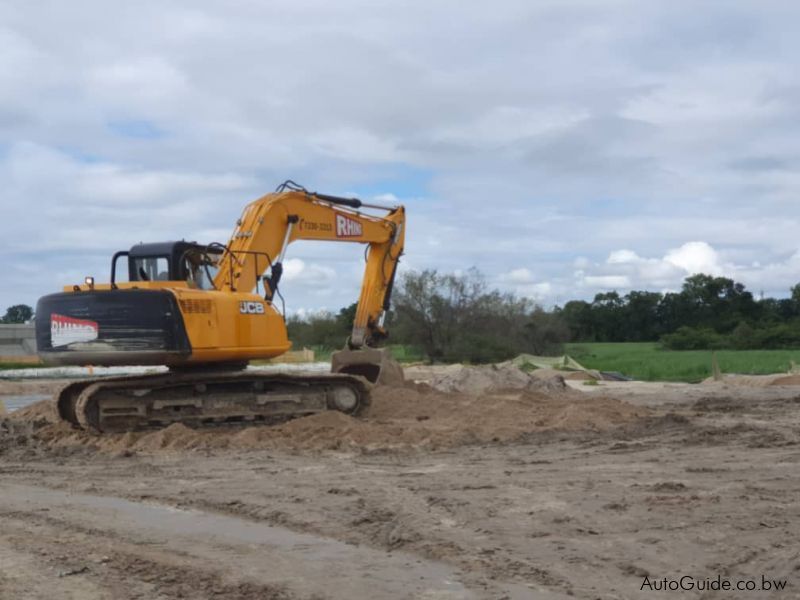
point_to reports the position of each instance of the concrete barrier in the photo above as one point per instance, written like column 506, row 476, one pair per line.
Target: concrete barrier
column 305, row 355
column 17, row 341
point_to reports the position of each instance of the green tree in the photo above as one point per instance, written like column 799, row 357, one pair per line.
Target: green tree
column 577, row 315
column 796, row 296
column 458, row 318
column 744, row 337
column 717, row 302
column 430, row 309
column 640, row 316
column 346, row 317
column 545, row 332
column 19, row 313
column 318, row 329
column 608, row 312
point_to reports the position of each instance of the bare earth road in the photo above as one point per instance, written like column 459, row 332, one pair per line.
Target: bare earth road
column 704, row 482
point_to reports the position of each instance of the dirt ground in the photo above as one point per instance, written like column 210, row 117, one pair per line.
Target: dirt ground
column 526, row 490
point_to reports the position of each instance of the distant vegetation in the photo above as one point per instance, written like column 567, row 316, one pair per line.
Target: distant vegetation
column 448, row 318
column 19, row 313
column 708, row 313
column 6, row 366
column 649, row 361
column 458, row 318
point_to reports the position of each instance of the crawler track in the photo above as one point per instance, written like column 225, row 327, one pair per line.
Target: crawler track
column 133, row 403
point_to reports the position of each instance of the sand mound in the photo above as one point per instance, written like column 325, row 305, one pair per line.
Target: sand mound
column 547, row 373
column 44, row 409
column 579, row 376
column 30, row 386
column 492, row 378
column 415, row 416
column 755, row 380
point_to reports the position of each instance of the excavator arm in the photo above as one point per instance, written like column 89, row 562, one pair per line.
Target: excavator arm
column 268, row 225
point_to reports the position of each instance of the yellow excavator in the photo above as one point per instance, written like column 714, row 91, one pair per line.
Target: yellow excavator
column 205, row 311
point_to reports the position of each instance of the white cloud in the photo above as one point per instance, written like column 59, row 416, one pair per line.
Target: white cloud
column 695, row 257
column 299, row 271
column 581, row 262
column 622, row 257
column 112, row 183
column 607, row 282
column 355, row 145
column 137, row 83
column 388, row 198
column 524, row 283
column 624, row 270
column 569, row 146
column 521, row 275
column 539, row 292
column 54, row 202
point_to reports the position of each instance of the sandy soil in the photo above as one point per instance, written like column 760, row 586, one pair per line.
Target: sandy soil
column 532, row 492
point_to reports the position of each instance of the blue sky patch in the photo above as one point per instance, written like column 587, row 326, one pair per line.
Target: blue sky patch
column 404, row 181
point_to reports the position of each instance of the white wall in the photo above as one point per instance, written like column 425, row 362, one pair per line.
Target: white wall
column 17, row 340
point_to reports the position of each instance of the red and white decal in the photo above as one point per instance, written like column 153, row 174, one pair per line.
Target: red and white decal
column 347, row 227
column 67, row 330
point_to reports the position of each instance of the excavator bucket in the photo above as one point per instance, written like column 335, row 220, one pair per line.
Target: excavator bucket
column 374, row 364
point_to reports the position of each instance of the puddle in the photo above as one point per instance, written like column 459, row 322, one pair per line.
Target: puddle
column 13, row 403
column 344, row 566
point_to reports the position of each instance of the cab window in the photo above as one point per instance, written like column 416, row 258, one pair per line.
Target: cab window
column 151, row 268
column 200, row 269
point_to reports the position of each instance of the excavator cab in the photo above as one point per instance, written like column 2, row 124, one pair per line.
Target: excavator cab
column 194, row 263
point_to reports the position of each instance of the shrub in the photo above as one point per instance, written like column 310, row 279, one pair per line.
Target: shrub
column 690, row 338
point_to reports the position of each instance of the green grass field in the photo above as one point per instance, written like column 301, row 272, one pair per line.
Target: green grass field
column 7, row 366
column 644, row 361
column 649, row 362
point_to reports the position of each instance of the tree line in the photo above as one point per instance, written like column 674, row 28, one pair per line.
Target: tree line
column 19, row 313
column 459, row 318
column 708, row 313
column 450, row 317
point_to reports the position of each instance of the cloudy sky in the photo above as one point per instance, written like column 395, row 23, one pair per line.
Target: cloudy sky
column 563, row 147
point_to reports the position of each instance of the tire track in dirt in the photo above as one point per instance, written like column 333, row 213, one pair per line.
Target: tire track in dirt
column 52, row 558
column 264, row 555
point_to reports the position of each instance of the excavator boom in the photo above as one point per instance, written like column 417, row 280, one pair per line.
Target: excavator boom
column 268, row 225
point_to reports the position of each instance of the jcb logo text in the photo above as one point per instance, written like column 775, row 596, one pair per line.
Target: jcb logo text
column 251, row 308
